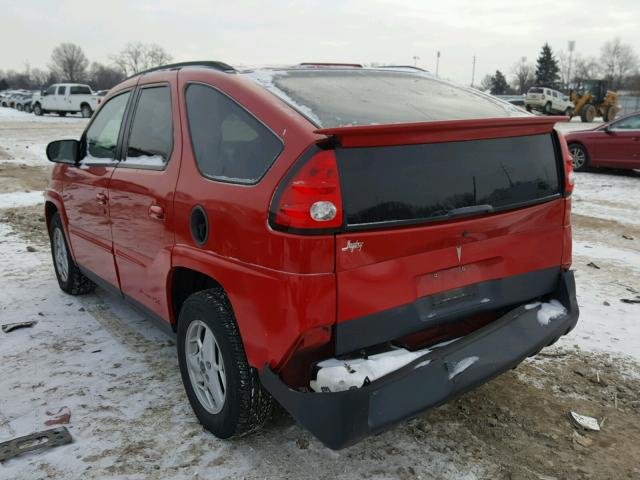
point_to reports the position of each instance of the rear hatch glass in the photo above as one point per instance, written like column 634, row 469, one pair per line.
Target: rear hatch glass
column 347, row 97
column 428, row 182
column 535, row 90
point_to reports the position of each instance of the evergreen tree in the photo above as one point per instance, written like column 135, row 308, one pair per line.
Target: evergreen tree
column 499, row 85
column 547, row 67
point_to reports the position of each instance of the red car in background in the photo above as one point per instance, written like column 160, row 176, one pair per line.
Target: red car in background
column 615, row 144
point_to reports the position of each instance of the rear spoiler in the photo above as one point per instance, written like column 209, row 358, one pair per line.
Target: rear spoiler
column 441, row 131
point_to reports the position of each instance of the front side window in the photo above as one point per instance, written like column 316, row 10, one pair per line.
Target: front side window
column 61, row 90
column 102, row 136
column 229, row 144
column 151, row 136
column 51, row 90
column 629, row 123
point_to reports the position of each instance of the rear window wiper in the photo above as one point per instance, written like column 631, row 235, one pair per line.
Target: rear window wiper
column 471, row 210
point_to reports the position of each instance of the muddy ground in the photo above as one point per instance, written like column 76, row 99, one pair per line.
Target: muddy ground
column 516, row 427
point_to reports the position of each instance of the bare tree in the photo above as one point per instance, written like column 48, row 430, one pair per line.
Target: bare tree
column 104, row 77
column 619, row 60
column 486, row 83
column 137, row 56
column 524, row 75
column 69, row 62
column 586, row 68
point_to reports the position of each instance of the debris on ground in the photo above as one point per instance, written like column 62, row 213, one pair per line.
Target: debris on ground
column 61, row 417
column 630, row 300
column 582, row 440
column 585, row 422
column 627, row 237
column 31, row 249
column 10, row 327
column 593, row 265
column 34, row 441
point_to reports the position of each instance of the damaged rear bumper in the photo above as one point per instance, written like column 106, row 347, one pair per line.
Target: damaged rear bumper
column 340, row 419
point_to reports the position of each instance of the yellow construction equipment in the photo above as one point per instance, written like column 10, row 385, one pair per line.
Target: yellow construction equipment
column 592, row 98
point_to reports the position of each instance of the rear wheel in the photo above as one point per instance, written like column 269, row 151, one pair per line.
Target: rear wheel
column 223, row 389
column 547, row 108
column 70, row 278
column 588, row 113
column 610, row 114
column 528, row 107
column 579, row 157
column 569, row 112
column 86, row 111
column 19, row 107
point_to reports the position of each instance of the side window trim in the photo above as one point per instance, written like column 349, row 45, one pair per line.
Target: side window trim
column 128, row 124
column 83, row 138
column 239, row 105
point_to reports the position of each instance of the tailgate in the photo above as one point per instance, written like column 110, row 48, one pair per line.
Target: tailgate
column 442, row 223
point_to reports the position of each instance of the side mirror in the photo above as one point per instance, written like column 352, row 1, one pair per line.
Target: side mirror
column 64, row 151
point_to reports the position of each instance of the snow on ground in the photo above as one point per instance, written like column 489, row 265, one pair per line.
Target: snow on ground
column 118, row 375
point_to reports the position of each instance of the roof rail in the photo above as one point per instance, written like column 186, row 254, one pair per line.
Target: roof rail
column 325, row 64
column 411, row 67
column 223, row 67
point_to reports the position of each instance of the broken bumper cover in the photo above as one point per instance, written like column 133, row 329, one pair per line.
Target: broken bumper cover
column 340, row 419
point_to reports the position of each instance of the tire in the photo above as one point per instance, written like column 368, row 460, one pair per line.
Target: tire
column 610, row 114
column 62, row 114
column 86, row 111
column 588, row 113
column 37, row 110
column 19, row 107
column 229, row 400
column 547, row 108
column 528, row 108
column 579, row 157
column 569, row 112
column 70, row 278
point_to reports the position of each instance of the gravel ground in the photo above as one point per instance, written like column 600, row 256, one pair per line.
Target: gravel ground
column 130, row 419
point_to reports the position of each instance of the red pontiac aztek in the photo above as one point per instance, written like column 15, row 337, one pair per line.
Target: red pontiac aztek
column 357, row 244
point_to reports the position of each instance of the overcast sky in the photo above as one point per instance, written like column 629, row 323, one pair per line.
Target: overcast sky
column 251, row 32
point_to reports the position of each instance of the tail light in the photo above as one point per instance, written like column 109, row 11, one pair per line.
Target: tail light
column 569, row 175
column 311, row 198
column 542, row 97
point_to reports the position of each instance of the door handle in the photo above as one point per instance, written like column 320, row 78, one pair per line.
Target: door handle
column 157, row 212
column 635, row 139
column 101, row 198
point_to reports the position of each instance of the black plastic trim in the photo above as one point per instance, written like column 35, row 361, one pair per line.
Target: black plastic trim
column 340, row 419
column 199, row 241
column 434, row 310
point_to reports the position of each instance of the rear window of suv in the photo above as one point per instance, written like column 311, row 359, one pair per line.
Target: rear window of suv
column 415, row 183
column 536, row 90
column 343, row 97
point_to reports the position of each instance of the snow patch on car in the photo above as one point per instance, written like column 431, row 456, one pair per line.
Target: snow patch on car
column 461, row 366
column 550, row 311
column 265, row 79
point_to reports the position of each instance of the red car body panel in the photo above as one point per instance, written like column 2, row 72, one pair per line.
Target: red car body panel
column 284, row 287
column 607, row 147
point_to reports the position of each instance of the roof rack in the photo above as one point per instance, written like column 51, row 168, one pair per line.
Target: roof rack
column 221, row 66
column 326, row 64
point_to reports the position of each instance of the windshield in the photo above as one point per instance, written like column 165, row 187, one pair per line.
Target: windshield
column 344, row 97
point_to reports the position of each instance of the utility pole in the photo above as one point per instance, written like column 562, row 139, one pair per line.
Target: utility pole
column 473, row 71
column 415, row 60
column 572, row 46
column 437, row 63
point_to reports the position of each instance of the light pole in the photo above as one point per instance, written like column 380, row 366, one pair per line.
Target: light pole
column 572, row 46
column 437, row 63
column 473, row 70
column 415, row 60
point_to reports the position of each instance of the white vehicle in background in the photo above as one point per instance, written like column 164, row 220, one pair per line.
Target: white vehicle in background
column 548, row 101
column 63, row 98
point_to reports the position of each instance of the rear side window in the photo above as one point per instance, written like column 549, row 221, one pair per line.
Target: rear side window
column 629, row 123
column 61, row 90
column 102, row 136
column 412, row 183
column 79, row 90
column 151, row 135
column 229, row 144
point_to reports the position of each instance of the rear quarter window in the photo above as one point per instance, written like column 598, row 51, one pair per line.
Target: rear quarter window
column 228, row 142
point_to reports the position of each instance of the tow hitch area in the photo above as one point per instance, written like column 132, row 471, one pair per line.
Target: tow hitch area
column 407, row 383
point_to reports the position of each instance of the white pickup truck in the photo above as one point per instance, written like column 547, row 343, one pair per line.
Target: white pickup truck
column 63, row 98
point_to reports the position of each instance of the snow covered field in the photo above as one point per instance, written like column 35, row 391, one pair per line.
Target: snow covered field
column 118, row 375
